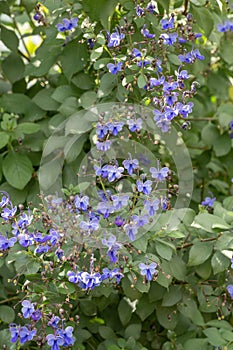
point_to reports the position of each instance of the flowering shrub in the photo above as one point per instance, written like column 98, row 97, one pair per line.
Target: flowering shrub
column 129, row 244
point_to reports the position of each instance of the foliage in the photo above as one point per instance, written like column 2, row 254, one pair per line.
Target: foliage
column 71, row 73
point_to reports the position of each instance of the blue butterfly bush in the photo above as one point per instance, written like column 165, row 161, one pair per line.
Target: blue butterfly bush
column 127, row 213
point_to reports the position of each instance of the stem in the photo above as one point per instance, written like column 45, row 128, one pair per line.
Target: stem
column 186, row 245
column 185, row 7
column 9, row 299
column 21, row 37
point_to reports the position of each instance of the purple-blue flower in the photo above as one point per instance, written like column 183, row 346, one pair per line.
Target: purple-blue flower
column 169, row 39
column 26, row 334
column 167, row 23
column 114, row 68
column 103, row 146
column 115, row 127
column 140, row 220
column 27, row 309
column 134, row 124
column 148, row 270
column 130, row 165
column 208, row 201
column 115, row 38
column 120, row 201
column 53, row 322
column 144, row 187
column 67, row 24
column 8, row 213
column 145, row 32
column 230, row 290
column 139, row 11
column 6, row 243
column 67, row 335
column 105, row 208
column 152, row 206
column 113, row 247
column 159, row 174
column 151, row 7
column 101, row 130
column 81, row 202
column 25, row 220
column 55, row 341
column 131, row 231
column 89, row 226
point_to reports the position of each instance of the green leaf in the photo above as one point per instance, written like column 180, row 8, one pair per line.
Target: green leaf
column 106, row 332
column 83, row 81
column 44, row 100
column 4, row 138
column 101, row 10
column 209, row 134
column 133, row 330
column 73, row 59
column 10, row 39
column 74, row 147
column 224, row 113
column 141, row 81
column 7, row 314
column 167, row 317
column 220, row 324
column 205, row 19
column 28, row 128
column 107, row 83
column 214, row 336
column 178, row 268
column 209, row 222
column 88, row 307
column 125, row 311
column 163, row 249
column 219, row 262
column 222, row 145
column 144, row 307
column 50, row 174
column 95, row 54
column 172, row 296
column 226, row 50
column 88, row 99
column 61, row 93
column 198, row 2
column 194, row 344
column 199, row 253
column 13, row 67
column 189, row 309
column 17, row 169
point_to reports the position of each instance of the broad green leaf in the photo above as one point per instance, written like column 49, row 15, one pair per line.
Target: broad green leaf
column 74, row 147
column 219, row 262
column 17, row 169
column 106, row 332
column 167, row 317
column 88, row 99
column 133, row 330
column 61, row 93
column 88, row 307
column 73, row 59
column 199, row 253
column 222, row 145
column 205, row 20
column 194, row 344
column 82, row 81
column 172, row 296
column 226, row 49
column 4, row 138
column 7, row 314
column 28, row 128
column 209, row 134
column 44, row 100
column 107, row 84
column 214, row 336
column 189, row 309
column 141, row 81
column 220, row 324
column 125, row 311
column 209, row 222
column 96, row 53
column 178, row 268
column 198, row 2
column 144, row 307
column 13, row 67
column 10, row 39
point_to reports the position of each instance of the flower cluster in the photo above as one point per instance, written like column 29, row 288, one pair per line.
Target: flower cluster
column 226, row 26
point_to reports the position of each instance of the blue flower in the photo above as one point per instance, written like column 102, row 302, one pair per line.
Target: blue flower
column 148, row 270
column 4, row 201
column 115, row 38
column 72, row 277
column 36, row 315
column 113, row 247
column 145, row 32
column 167, row 23
column 169, row 39
column 101, row 130
column 152, row 206
column 119, row 221
column 196, row 54
column 140, row 220
column 115, row 127
column 26, row 334
column 120, row 201
column 225, row 26
column 156, row 82
column 164, row 124
column 55, row 341
column 81, row 203
column 25, row 239
column 90, row 226
column 114, row 68
column 67, row 24
column 114, row 172
column 209, row 202
column 130, row 165
column 53, row 322
column 27, row 309
column 183, row 75
column 159, row 174
column 67, row 335
column 139, row 11
column 104, row 146
column 89, row 281
column 14, row 329
column 131, row 230
column 6, row 243
column 151, row 7
column 144, row 187
column 184, row 110
column 231, row 124
column 230, row 290
column 8, row 213
column 134, row 124
column 105, row 208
